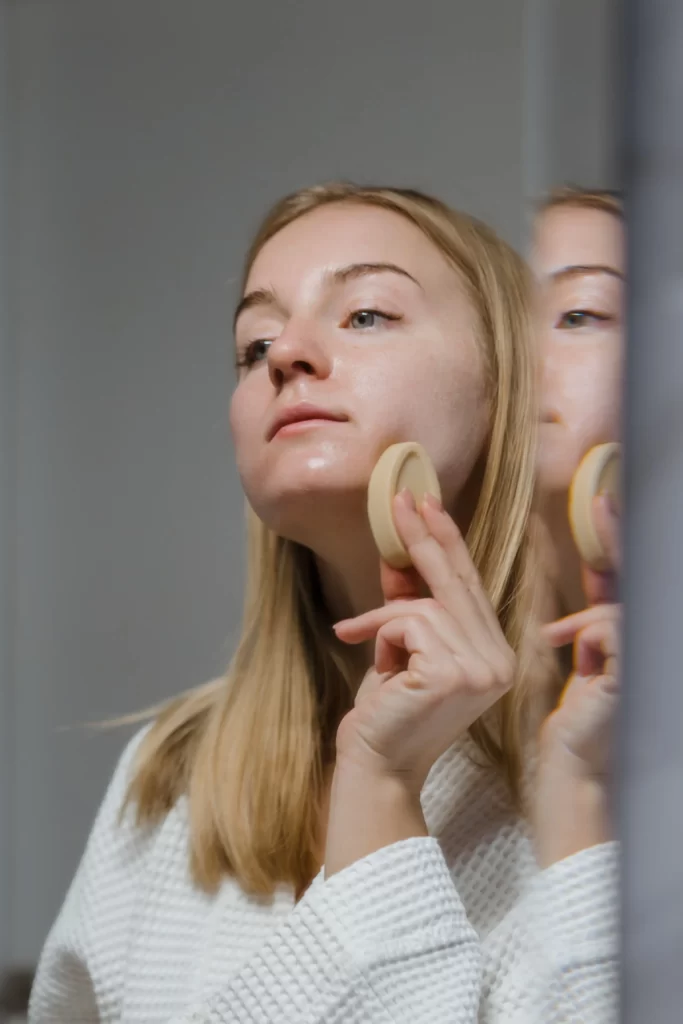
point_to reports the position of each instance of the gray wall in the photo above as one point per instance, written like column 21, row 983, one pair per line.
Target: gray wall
column 7, row 492
column 573, row 94
column 151, row 135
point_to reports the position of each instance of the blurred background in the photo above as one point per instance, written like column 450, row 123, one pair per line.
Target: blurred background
column 140, row 141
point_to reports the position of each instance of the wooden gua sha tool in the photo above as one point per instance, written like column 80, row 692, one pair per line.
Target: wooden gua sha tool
column 401, row 466
column 599, row 473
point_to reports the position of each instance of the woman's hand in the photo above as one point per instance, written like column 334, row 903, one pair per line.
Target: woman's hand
column 572, row 796
column 582, row 724
column 579, row 731
column 440, row 661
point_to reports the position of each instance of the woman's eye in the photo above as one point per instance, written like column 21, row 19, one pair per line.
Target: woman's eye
column 574, row 318
column 255, row 352
column 364, row 318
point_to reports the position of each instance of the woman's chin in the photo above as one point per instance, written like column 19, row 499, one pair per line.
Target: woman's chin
column 301, row 512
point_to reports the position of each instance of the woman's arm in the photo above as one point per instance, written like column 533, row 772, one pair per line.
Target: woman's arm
column 64, row 991
column 555, row 960
column 384, row 941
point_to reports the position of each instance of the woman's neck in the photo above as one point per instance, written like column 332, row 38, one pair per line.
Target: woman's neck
column 350, row 583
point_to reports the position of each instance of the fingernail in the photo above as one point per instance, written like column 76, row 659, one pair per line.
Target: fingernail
column 406, row 496
column 612, row 505
column 609, row 503
column 433, row 502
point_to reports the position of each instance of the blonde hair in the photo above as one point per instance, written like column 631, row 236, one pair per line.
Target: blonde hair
column 250, row 751
column 583, row 198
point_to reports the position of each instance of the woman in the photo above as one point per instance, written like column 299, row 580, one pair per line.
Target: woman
column 579, row 259
column 363, row 725
column 579, row 263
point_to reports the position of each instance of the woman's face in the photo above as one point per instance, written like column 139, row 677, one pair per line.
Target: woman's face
column 579, row 261
column 353, row 322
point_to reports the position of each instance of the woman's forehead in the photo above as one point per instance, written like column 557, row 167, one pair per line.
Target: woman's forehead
column 575, row 236
column 343, row 234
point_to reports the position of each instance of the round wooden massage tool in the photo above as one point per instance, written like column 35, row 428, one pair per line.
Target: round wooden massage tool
column 599, row 473
column 402, row 466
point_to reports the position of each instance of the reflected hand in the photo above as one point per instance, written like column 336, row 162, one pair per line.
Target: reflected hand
column 601, row 587
column 582, row 723
column 571, row 797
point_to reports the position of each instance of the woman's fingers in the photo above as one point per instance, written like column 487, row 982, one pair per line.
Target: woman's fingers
column 450, row 538
column 366, row 626
column 596, row 637
column 410, row 646
column 428, row 555
column 608, row 528
column 597, row 649
column 402, row 641
column 602, row 587
column 441, row 558
column 457, row 620
column 564, row 631
column 599, row 587
column 400, row 584
column 406, row 630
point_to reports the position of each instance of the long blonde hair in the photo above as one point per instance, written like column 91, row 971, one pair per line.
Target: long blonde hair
column 249, row 752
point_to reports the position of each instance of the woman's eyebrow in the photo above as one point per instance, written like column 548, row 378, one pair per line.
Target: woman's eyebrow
column 355, row 270
column 585, row 270
column 259, row 297
column 267, row 297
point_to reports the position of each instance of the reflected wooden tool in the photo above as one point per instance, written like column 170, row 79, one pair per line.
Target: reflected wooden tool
column 599, row 473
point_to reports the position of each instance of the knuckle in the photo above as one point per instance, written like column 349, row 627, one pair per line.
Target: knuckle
column 430, row 606
column 383, row 630
column 494, row 674
column 482, row 678
column 437, row 696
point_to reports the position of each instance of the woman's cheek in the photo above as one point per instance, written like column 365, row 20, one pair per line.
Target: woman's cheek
column 594, row 399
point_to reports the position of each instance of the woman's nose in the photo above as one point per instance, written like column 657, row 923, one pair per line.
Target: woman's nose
column 298, row 351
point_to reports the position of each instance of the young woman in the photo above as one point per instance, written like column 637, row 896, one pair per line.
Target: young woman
column 335, row 832
column 579, row 262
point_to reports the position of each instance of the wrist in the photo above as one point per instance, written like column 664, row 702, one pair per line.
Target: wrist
column 571, row 811
column 369, row 810
column 558, row 762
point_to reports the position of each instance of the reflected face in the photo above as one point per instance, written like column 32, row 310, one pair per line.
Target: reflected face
column 579, row 261
column 354, row 333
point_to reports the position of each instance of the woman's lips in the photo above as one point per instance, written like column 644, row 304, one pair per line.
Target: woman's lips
column 299, row 426
column 302, row 416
